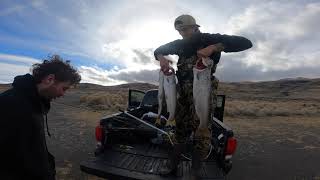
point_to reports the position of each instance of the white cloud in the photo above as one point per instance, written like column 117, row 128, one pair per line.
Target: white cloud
column 115, row 76
column 97, row 75
column 9, row 71
column 13, row 65
column 18, row 59
column 283, row 34
column 11, row 10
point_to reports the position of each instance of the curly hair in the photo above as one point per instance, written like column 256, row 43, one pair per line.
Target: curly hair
column 61, row 69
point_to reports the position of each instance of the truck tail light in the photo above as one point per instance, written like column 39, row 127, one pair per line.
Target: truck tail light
column 99, row 133
column 231, row 146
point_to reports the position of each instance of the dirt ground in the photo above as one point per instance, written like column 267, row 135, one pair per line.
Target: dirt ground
column 276, row 148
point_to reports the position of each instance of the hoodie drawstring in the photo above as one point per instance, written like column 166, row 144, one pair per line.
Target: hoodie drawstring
column 47, row 127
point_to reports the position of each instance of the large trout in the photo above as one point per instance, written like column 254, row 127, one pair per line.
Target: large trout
column 167, row 92
column 202, row 91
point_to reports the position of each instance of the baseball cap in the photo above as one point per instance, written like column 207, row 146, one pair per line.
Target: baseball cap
column 184, row 20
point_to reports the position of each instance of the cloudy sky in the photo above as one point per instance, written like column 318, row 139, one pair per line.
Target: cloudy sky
column 112, row 42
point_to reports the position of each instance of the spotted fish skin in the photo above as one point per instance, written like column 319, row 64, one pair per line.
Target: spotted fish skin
column 202, row 91
column 168, row 93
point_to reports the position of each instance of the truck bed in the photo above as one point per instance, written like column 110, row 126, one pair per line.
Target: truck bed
column 142, row 161
column 126, row 148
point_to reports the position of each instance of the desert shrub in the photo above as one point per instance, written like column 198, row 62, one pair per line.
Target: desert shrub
column 104, row 101
column 258, row 108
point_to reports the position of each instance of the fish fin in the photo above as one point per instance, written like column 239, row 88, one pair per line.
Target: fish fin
column 171, row 123
column 202, row 132
column 158, row 121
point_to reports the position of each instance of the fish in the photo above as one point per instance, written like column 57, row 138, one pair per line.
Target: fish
column 167, row 93
column 202, row 90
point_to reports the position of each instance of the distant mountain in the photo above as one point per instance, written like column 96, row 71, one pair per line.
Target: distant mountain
column 291, row 87
column 139, row 86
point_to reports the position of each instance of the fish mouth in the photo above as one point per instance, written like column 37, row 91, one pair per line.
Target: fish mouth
column 203, row 63
column 169, row 72
column 200, row 65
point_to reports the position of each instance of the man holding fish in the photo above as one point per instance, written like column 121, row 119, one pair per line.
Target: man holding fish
column 199, row 54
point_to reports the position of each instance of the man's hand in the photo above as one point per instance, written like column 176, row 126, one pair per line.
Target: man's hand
column 164, row 64
column 209, row 50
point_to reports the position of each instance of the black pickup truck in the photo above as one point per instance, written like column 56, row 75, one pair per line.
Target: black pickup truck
column 128, row 149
